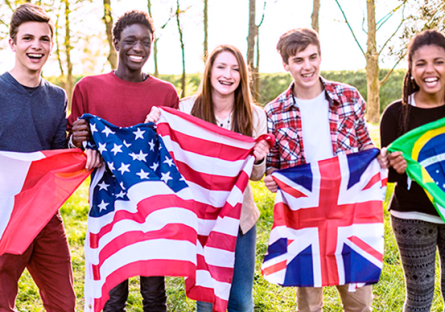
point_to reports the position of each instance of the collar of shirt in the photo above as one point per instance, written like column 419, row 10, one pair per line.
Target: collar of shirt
column 329, row 89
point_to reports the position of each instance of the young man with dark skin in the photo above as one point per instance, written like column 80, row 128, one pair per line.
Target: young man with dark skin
column 315, row 119
column 33, row 118
column 124, row 97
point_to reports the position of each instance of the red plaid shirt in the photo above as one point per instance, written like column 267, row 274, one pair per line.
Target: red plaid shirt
column 346, row 123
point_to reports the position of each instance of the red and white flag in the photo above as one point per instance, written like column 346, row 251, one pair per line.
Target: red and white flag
column 166, row 205
column 33, row 186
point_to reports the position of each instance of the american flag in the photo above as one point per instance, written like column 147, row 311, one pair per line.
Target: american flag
column 328, row 223
column 165, row 205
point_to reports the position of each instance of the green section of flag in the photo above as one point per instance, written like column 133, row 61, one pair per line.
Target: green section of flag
column 412, row 144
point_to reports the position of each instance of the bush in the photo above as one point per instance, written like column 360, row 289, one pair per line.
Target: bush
column 271, row 85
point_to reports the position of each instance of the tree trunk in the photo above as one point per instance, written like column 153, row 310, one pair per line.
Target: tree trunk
column 315, row 14
column 372, row 67
column 108, row 20
column 155, row 45
column 181, row 40
column 253, row 33
column 206, row 47
column 69, row 65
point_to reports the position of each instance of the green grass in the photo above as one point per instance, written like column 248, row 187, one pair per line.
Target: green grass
column 389, row 293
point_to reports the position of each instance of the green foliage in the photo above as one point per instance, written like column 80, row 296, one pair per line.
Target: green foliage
column 271, row 85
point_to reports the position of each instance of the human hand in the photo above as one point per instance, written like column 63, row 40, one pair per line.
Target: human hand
column 397, row 161
column 81, row 132
column 154, row 115
column 270, row 183
column 260, row 150
column 94, row 160
column 383, row 158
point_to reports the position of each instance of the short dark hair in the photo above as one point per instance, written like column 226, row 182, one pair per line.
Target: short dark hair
column 130, row 18
column 28, row 13
column 297, row 40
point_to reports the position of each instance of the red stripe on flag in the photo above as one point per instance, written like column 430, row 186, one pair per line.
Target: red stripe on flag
column 143, row 268
column 275, row 268
column 362, row 245
column 221, row 241
column 208, row 181
column 288, row 189
column 220, row 274
column 374, row 180
column 170, row 232
column 195, row 145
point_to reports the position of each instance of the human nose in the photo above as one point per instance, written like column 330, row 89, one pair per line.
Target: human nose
column 36, row 44
column 137, row 46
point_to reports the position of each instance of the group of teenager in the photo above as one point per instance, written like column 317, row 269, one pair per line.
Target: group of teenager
column 313, row 119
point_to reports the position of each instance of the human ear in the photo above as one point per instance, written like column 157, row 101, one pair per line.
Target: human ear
column 116, row 45
column 12, row 44
column 286, row 66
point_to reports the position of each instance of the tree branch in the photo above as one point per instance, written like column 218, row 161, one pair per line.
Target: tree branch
column 262, row 16
column 382, row 82
column 350, row 28
column 394, row 33
column 384, row 19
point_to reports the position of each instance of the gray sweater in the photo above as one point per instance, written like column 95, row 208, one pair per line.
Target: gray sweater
column 31, row 119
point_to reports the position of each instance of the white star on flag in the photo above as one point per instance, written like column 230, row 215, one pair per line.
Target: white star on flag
column 168, row 161
column 126, row 144
column 116, row 149
column 154, row 166
column 103, row 186
column 111, row 166
column 152, row 145
column 120, row 195
column 102, row 147
column 124, row 168
column 139, row 134
column 107, row 131
column 93, row 128
column 142, row 174
column 166, row 177
column 103, row 205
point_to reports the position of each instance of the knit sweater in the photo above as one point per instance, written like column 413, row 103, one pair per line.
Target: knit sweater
column 31, row 119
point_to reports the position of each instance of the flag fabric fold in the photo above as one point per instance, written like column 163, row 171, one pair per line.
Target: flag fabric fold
column 165, row 204
column 328, row 223
column 424, row 151
column 33, row 186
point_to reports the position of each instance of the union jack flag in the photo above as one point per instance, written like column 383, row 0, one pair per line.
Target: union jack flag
column 328, row 223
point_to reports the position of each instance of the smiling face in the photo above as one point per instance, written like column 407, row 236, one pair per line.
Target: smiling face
column 32, row 46
column 225, row 75
column 428, row 69
column 134, row 47
column 304, row 67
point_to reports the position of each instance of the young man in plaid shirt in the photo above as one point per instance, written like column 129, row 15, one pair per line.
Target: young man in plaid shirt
column 315, row 119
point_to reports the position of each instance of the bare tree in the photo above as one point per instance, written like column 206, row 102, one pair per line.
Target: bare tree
column 69, row 84
column 372, row 55
column 155, row 44
column 252, row 40
column 315, row 15
column 108, row 20
column 181, row 41
column 206, row 46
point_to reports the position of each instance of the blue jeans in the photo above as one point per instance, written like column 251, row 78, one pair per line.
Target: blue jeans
column 241, row 298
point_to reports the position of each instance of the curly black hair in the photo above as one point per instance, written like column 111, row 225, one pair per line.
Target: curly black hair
column 130, row 18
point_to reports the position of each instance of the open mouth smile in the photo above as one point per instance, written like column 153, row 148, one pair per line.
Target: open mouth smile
column 35, row 56
column 136, row 58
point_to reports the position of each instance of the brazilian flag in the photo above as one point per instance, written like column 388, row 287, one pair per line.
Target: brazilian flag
column 424, row 151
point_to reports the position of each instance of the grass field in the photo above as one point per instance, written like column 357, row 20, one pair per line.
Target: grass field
column 389, row 293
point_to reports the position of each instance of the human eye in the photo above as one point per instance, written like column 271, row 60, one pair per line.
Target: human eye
column 236, row 69
column 146, row 43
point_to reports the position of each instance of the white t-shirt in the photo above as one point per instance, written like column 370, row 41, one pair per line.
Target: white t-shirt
column 315, row 126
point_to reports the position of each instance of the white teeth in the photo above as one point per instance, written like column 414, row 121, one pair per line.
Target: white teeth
column 225, row 83
column 136, row 57
column 431, row 79
column 307, row 75
column 35, row 55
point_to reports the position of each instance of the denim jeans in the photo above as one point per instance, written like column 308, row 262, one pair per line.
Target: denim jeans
column 241, row 298
column 152, row 291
